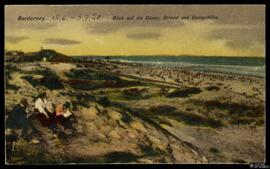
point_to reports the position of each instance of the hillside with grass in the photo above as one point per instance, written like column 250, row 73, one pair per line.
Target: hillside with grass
column 45, row 55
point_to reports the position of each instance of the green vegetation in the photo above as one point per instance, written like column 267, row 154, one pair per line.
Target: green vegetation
column 49, row 79
column 90, row 80
column 214, row 150
column 190, row 118
column 211, row 88
column 80, row 99
column 136, row 94
column 126, row 118
column 184, row 92
column 148, row 150
column 87, row 74
column 104, row 101
column 12, row 87
column 129, row 94
column 9, row 69
column 236, row 113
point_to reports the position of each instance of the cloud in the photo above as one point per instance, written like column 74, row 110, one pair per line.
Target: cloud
column 101, row 28
column 238, row 44
column 61, row 41
column 15, row 39
column 142, row 36
column 237, row 38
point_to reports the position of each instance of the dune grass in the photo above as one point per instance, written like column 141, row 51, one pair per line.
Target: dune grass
column 184, row 92
column 87, row 79
column 9, row 69
column 189, row 118
column 211, row 88
column 235, row 113
column 49, row 79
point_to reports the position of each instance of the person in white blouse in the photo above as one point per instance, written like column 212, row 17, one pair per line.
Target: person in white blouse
column 45, row 109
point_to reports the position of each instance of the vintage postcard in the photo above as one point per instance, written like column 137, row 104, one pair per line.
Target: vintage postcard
column 102, row 84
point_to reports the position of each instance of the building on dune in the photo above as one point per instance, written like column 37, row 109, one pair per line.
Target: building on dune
column 13, row 55
column 46, row 55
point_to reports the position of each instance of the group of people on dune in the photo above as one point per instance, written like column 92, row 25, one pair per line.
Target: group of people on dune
column 57, row 119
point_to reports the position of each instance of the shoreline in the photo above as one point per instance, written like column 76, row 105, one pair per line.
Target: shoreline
column 191, row 67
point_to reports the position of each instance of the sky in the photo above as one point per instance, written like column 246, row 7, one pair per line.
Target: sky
column 226, row 30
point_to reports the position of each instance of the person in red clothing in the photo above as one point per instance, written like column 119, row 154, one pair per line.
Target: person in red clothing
column 64, row 115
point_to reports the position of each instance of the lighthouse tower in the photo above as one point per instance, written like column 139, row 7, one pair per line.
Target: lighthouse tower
column 44, row 58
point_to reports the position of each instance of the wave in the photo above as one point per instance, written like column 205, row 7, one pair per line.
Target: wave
column 239, row 70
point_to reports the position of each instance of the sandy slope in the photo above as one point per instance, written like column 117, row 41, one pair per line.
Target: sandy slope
column 102, row 134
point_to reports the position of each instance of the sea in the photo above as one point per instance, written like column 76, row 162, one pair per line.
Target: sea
column 247, row 66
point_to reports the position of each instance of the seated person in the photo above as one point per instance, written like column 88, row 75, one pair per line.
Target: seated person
column 18, row 117
column 45, row 111
column 64, row 115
